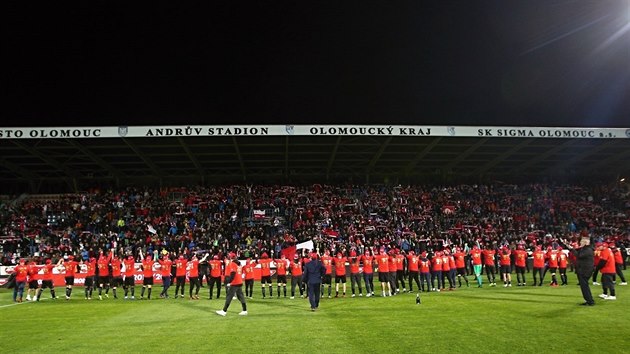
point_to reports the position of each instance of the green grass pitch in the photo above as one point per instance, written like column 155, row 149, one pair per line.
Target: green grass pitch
column 468, row 320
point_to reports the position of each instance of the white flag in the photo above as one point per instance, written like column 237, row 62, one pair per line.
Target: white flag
column 151, row 229
column 308, row 245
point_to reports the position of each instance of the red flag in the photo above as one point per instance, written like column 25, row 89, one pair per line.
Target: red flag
column 331, row 233
column 289, row 252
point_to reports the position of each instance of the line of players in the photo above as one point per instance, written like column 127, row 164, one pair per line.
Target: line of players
column 109, row 272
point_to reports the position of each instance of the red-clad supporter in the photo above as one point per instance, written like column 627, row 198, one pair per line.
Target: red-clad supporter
column 265, row 274
column 215, row 276
column 234, row 280
column 129, row 282
column 340, row 273
column 460, row 265
column 368, row 272
column 70, row 267
column 618, row 263
column 281, row 274
column 327, row 261
column 21, row 277
column 446, row 271
column 489, row 260
column 562, row 265
column 520, row 263
column 400, row 271
column 47, row 279
column 391, row 276
column 425, row 272
column 382, row 261
column 117, row 279
column 193, row 276
column 180, row 275
column 296, row 276
column 248, row 269
column 539, row 264
column 552, row 264
column 606, row 266
column 436, row 271
column 413, row 264
column 32, row 280
column 90, row 274
column 102, row 267
column 505, row 262
column 147, row 273
column 355, row 276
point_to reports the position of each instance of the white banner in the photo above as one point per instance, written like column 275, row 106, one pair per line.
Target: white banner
column 311, row 130
column 308, row 245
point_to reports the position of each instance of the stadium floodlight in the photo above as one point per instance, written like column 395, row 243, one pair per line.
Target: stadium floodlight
column 623, row 179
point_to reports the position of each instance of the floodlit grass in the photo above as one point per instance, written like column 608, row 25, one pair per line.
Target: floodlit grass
column 497, row 320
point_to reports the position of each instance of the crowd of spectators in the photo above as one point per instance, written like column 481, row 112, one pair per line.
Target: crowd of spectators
column 252, row 219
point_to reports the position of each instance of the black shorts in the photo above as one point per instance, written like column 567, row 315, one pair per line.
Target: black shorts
column 147, row 281
column 490, row 269
column 89, row 281
column 130, row 280
column 506, row 269
column 383, row 277
column 340, row 279
column 461, row 271
column 103, row 280
column 117, row 281
column 282, row 279
column 69, row 280
column 33, row 284
column 266, row 279
column 520, row 269
column 47, row 284
column 552, row 269
column 327, row 279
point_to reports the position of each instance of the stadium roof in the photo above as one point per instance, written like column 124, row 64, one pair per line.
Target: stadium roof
column 285, row 155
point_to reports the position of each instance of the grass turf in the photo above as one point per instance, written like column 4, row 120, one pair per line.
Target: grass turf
column 517, row 319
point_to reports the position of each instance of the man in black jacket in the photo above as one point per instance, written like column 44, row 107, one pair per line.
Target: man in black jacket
column 584, row 269
column 313, row 273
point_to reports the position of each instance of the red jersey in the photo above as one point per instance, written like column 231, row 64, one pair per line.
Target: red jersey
column 327, row 261
column 425, row 265
column 70, row 268
column 436, row 262
column 451, row 261
column 475, row 253
column 446, row 266
column 618, row 256
column 265, row 267
column 165, row 267
column 281, row 266
column 488, row 256
column 392, row 264
column 215, row 268
column 539, row 259
column 21, row 272
column 355, row 263
column 130, row 265
column 562, row 259
column 248, row 269
column 116, row 265
column 552, row 257
column 400, row 262
column 460, row 259
column 147, row 268
column 180, row 267
column 368, row 264
column 383, row 264
column 596, row 254
column 193, row 268
column 413, row 262
column 48, row 272
column 237, row 269
column 103, row 266
column 32, row 271
column 340, row 266
column 607, row 255
column 504, row 258
column 90, row 267
column 520, row 258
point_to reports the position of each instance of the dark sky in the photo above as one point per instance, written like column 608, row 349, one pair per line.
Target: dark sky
column 530, row 62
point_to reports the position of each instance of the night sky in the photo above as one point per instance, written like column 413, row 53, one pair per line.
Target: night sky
column 530, row 62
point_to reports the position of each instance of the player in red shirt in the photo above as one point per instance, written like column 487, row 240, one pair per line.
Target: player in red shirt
column 505, row 261
column 147, row 274
column 425, row 272
column 392, row 272
column 47, row 279
column 327, row 261
column 562, row 265
column 618, row 263
column 130, row 281
column 116, row 274
column 234, row 283
column 447, row 271
column 552, row 264
column 598, row 250
column 90, row 266
column 460, row 265
column 539, row 264
column 606, row 266
column 296, row 276
column 180, row 275
column 102, row 266
column 193, row 276
column 215, row 275
column 400, row 271
column 248, row 270
column 488, row 256
column 165, row 265
column 413, row 263
column 520, row 263
column 382, row 261
column 70, row 266
column 340, row 273
column 265, row 274
column 475, row 256
column 32, row 280
column 368, row 272
column 21, row 277
column 436, row 271
column 281, row 274
column 355, row 277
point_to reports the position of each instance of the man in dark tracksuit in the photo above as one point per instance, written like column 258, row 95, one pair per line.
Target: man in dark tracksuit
column 585, row 264
column 313, row 273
